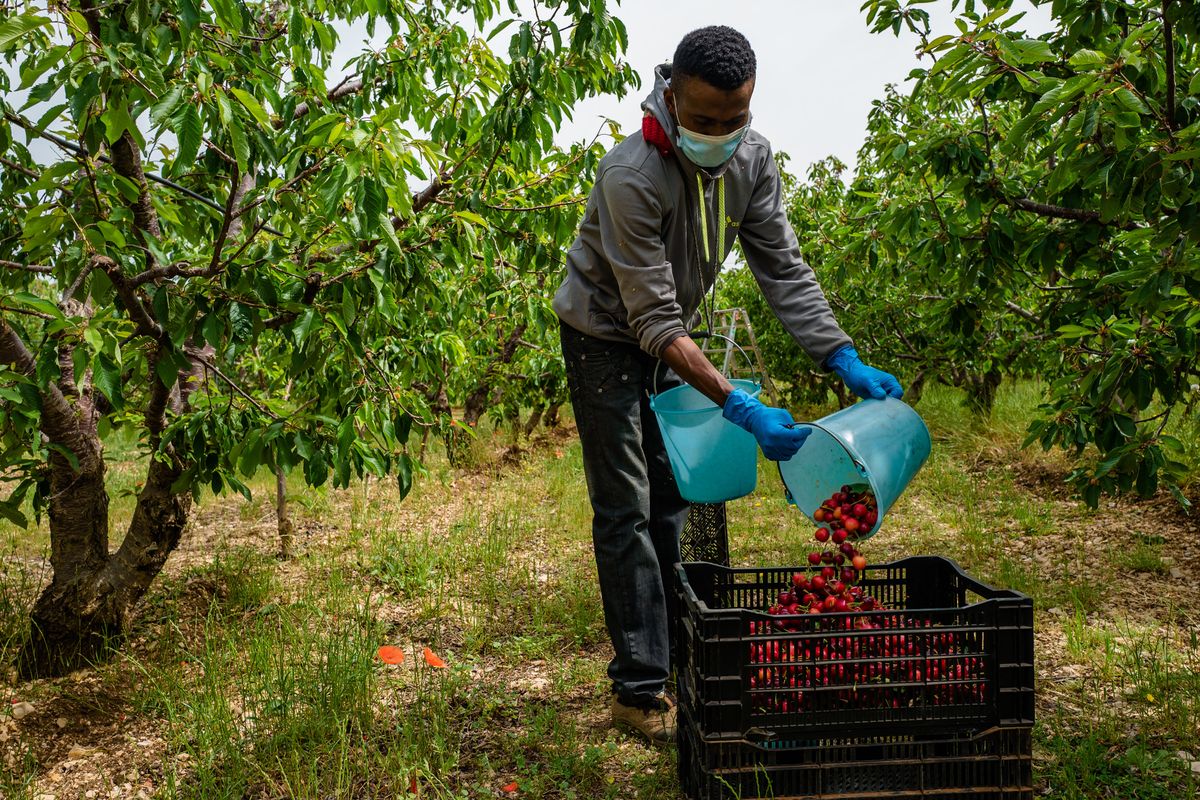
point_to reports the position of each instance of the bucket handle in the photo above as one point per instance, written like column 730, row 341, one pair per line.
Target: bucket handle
column 705, row 335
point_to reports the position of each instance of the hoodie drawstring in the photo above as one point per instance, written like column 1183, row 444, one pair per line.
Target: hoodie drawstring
column 720, row 193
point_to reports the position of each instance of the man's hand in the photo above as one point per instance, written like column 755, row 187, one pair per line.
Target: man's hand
column 864, row 381
column 772, row 427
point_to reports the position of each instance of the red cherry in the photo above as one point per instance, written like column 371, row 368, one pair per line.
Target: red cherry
column 860, row 510
column 819, row 515
column 814, row 558
column 850, row 524
column 828, row 572
column 821, row 534
column 860, row 563
column 830, row 603
column 839, row 536
column 798, row 579
column 818, row 582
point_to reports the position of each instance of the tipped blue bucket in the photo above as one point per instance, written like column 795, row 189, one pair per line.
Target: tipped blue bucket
column 713, row 459
column 881, row 443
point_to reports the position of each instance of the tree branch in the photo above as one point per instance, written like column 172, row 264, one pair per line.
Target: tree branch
column 204, row 358
column 287, row 187
column 79, row 152
column 58, row 421
column 346, row 87
column 69, row 293
column 1019, row 311
column 226, row 220
column 127, row 292
column 26, row 267
column 1057, row 212
column 19, row 168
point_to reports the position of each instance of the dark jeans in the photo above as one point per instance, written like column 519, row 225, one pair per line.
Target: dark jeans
column 637, row 511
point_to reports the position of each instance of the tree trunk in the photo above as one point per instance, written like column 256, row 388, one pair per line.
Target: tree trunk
column 458, row 442
column 281, row 515
column 913, row 392
column 532, row 423
column 84, row 611
column 550, row 418
column 981, row 392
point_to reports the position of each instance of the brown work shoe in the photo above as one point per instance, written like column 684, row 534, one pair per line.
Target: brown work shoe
column 655, row 722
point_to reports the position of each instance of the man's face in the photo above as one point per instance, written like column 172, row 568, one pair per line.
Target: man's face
column 703, row 108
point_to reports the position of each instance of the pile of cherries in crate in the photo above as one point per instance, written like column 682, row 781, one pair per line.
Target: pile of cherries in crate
column 908, row 662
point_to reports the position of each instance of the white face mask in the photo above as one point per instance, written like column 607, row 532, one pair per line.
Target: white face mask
column 710, row 151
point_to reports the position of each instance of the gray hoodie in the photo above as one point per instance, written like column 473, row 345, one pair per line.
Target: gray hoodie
column 638, row 269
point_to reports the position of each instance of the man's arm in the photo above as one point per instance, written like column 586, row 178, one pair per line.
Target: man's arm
column 787, row 282
column 690, row 363
column 790, row 287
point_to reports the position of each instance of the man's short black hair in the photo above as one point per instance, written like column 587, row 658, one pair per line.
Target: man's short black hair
column 718, row 55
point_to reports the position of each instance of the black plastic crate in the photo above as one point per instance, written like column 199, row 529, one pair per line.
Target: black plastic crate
column 705, row 535
column 994, row 764
column 954, row 656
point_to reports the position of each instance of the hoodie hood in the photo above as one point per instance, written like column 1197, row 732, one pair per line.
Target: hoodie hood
column 656, row 103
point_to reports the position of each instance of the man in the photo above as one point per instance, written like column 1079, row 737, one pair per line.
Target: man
column 661, row 218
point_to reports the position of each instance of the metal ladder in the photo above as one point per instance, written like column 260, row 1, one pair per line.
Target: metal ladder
column 734, row 323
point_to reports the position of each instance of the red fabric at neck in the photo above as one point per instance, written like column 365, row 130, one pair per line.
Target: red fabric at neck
column 653, row 133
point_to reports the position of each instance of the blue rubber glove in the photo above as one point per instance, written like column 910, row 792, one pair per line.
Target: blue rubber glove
column 770, row 426
column 864, row 381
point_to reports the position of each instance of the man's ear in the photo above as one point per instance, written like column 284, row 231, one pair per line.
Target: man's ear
column 669, row 97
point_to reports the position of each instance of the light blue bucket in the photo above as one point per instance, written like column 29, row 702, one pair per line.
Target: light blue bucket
column 713, row 459
column 878, row 442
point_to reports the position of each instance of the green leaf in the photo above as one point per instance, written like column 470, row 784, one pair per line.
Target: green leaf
column 1074, row 332
column 1088, row 58
column 190, row 131
column 1125, row 425
column 1026, row 51
column 304, row 325
column 241, row 324
column 252, row 105
column 472, row 217
column 1130, row 101
column 162, row 111
column 19, row 26
column 12, row 513
column 189, row 16
column 116, row 121
column 404, row 475
column 241, row 147
column 36, row 303
column 106, row 376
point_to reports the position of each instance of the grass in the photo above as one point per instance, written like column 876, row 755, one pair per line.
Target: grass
column 263, row 680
